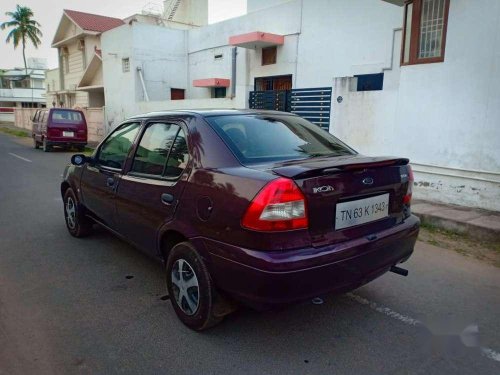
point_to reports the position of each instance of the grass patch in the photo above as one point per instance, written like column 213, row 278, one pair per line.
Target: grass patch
column 88, row 151
column 488, row 251
column 445, row 232
column 15, row 132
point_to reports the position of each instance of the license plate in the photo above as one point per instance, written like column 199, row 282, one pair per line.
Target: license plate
column 68, row 134
column 361, row 211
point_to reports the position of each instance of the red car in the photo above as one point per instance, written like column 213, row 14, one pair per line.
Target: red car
column 259, row 207
column 59, row 127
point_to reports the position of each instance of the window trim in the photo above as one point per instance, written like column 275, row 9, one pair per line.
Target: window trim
column 178, row 90
column 125, row 64
column 415, row 34
column 137, row 141
column 215, row 90
column 273, row 78
column 270, row 48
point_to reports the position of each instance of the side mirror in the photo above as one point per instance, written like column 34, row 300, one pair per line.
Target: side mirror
column 80, row 159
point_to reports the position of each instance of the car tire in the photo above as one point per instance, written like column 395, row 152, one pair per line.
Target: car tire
column 191, row 291
column 77, row 223
column 36, row 145
column 45, row 146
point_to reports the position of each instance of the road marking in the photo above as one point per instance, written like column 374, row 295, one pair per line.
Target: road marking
column 20, row 157
column 384, row 310
column 487, row 352
column 491, row 354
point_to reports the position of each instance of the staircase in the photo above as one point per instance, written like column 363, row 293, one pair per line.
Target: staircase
column 173, row 9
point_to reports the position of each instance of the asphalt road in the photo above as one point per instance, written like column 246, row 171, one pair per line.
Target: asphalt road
column 67, row 306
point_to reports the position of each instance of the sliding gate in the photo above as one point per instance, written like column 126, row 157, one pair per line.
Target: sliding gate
column 313, row 104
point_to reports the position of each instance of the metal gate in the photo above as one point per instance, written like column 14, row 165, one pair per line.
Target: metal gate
column 313, row 104
column 275, row 100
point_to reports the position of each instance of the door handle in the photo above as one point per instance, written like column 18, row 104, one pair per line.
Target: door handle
column 110, row 182
column 167, row 198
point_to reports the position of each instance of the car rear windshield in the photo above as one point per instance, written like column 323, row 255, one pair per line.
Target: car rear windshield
column 66, row 116
column 261, row 138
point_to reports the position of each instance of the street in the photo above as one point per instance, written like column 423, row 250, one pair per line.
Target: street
column 97, row 305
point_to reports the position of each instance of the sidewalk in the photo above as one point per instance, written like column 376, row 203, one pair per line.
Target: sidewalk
column 476, row 223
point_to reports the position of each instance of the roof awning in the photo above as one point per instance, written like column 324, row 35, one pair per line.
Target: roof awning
column 92, row 77
column 211, row 82
column 256, row 39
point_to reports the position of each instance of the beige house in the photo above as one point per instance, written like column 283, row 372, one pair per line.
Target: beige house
column 78, row 80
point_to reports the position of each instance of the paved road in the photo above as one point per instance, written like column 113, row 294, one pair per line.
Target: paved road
column 67, row 306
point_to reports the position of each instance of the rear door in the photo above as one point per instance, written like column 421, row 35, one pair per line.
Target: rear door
column 34, row 120
column 67, row 125
column 39, row 125
column 42, row 123
column 101, row 178
column 150, row 191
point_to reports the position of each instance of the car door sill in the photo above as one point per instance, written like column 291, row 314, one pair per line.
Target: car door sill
column 121, row 237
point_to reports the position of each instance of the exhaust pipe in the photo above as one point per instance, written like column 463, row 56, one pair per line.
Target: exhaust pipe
column 399, row 270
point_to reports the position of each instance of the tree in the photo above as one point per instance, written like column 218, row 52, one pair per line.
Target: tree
column 24, row 29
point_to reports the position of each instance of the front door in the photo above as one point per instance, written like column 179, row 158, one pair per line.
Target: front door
column 150, row 191
column 101, row 178
column 38, row 124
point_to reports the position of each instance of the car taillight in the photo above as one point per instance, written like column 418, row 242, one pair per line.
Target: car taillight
column 279, row 206
column 407, row 197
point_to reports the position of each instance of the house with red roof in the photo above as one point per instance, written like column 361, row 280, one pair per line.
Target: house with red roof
column 79, row 77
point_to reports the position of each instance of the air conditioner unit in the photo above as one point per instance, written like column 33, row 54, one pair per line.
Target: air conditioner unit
column 81, row 44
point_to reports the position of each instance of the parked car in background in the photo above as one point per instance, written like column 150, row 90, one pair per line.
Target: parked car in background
column 260, row 207
column 59, row 127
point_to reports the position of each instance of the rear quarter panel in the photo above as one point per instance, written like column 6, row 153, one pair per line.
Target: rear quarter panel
column 218, row 193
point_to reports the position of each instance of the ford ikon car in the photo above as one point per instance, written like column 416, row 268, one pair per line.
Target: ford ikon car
column 259, row 208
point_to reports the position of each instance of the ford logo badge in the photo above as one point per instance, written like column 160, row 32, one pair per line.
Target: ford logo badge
column 368, row 181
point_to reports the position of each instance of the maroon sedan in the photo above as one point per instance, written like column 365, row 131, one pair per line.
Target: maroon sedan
column 259, row 207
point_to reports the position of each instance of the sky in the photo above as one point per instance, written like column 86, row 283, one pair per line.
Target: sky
column 48, row 13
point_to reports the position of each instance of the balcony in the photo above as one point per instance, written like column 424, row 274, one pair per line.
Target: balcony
column 22, row 95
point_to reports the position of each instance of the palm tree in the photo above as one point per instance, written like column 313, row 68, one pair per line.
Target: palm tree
column 24, row 29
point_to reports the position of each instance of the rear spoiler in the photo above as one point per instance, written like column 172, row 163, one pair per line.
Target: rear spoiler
column 335, row 165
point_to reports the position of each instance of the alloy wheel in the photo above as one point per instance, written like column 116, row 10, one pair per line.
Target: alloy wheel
column 70, row 209
column 185, row 286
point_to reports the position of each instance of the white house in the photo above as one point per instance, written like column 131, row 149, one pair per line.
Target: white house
column 434, row 98
column 21, row 88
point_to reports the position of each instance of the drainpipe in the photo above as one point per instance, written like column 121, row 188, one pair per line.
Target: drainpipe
column 233, row 72
column 146, row 96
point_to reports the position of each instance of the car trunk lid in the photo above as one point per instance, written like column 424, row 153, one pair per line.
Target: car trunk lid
column 330, row 182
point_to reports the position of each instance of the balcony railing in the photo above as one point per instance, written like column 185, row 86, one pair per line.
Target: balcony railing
column 22, row 95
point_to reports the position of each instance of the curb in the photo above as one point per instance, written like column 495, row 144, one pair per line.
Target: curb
column 478, row 224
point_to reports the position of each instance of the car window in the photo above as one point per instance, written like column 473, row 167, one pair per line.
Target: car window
column 265, row 138
column 161, row 141
column 178, row 157
column 66, row 116
column 115, row 149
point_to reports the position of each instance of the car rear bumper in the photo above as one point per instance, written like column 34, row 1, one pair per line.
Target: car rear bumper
column 67, row 142
column 266, row 279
